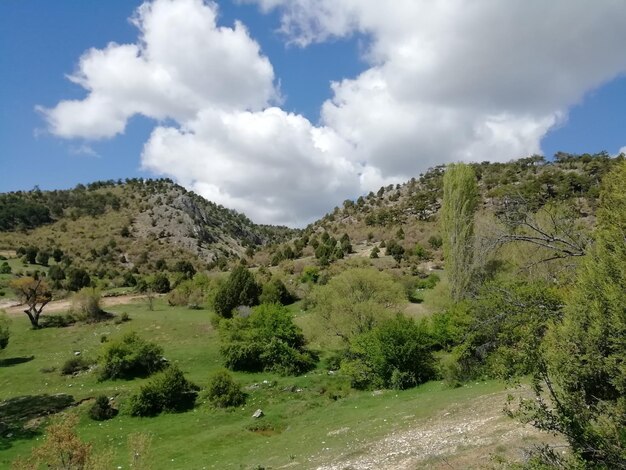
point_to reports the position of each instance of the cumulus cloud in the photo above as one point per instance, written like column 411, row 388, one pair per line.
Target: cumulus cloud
column 272, row 165
column 447, row 80
column 182, row 63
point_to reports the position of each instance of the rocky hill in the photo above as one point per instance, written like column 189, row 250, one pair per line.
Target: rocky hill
column 406, row 214
column 135, row 223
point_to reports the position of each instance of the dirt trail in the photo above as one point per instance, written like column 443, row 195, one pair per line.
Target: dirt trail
column 56, row 306
column 462, row 437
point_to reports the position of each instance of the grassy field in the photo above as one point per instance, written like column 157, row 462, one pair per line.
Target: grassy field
column 303, row 425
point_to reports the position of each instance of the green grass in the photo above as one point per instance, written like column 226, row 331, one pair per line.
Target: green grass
column 300, row 420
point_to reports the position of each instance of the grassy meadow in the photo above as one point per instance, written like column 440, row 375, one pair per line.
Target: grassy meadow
column 309, row 420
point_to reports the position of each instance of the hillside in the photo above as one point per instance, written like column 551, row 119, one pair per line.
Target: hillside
column 129, row 225
column 408, row 213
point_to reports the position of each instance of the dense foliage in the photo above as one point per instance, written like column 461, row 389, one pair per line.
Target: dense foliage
column 583, row 369
column 240, row 289
column 169, row 391
column 267, row 339
column 396, row 354
column 223, row 391
column 130, row 357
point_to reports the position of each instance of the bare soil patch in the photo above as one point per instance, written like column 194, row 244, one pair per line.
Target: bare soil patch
column 464, row 436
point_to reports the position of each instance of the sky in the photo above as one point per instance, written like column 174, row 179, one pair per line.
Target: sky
column 282, row 109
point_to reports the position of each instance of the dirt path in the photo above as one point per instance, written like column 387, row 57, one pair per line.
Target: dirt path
column 461, row 437
column 56, row 306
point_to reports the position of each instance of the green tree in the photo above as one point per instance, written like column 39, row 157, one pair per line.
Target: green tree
column 460, row 200
column 396, row 354
column 355, row 301
column 43, row 257
column 56, row 275
column 584, row 367
column 275, row 292
column 77, row 278
column 268, row 340
column 240, row 289
column 160, row 284
column 395, row 250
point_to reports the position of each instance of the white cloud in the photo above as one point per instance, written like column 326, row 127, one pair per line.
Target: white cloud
column 182, row 63
column 272, row 165
column 448, row 80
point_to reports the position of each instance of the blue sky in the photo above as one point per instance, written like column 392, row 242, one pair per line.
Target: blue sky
column 42, row 41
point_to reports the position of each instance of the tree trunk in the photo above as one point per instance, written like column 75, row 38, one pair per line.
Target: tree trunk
column 33, row 317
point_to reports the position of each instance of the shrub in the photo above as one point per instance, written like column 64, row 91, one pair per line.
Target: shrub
column 435, row 242
column 102, row 410
column 86, row 305
column 74, row 365
column 5, row 268
column 77, row 279
column 396, row 354
column 160, row 284
column 239, row 289
column 169, row 392
column 429, row 282
column 57, row 321
column 266, row 340
column 131, row 357
column 223, row 391
column 275, row 292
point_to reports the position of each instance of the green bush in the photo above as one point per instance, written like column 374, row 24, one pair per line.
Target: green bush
column 131, row 357
column 239, row 289
column 160, row 284
column 5, row 268
column 275, row 292
column 57, row 321
column 429, row 282
column 169, row 392
column 74, row 365
column 102, row 410
column 223, row 391
column 396, row 354
column 266, row 340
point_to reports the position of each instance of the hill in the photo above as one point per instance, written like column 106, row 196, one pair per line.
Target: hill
column 129, row 225
column 407, row 214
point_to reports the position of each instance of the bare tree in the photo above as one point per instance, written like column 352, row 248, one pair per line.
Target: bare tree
column 35, row 293
column 555, row 228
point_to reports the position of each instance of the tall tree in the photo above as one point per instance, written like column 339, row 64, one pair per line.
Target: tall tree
column 460, row 199
column 584, row 367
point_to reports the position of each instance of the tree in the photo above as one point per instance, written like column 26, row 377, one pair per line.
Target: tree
column 43, row 257
column 396, row 354
column 77, row 278
column 56, row 274
column 583, row 369
column 35, row 293
column 30, row 253
column 275, row 292
column 395, row 250
column 460, row 199
column 239, row 289
column 355, row 301
column 186, row 268
column 160, row 284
